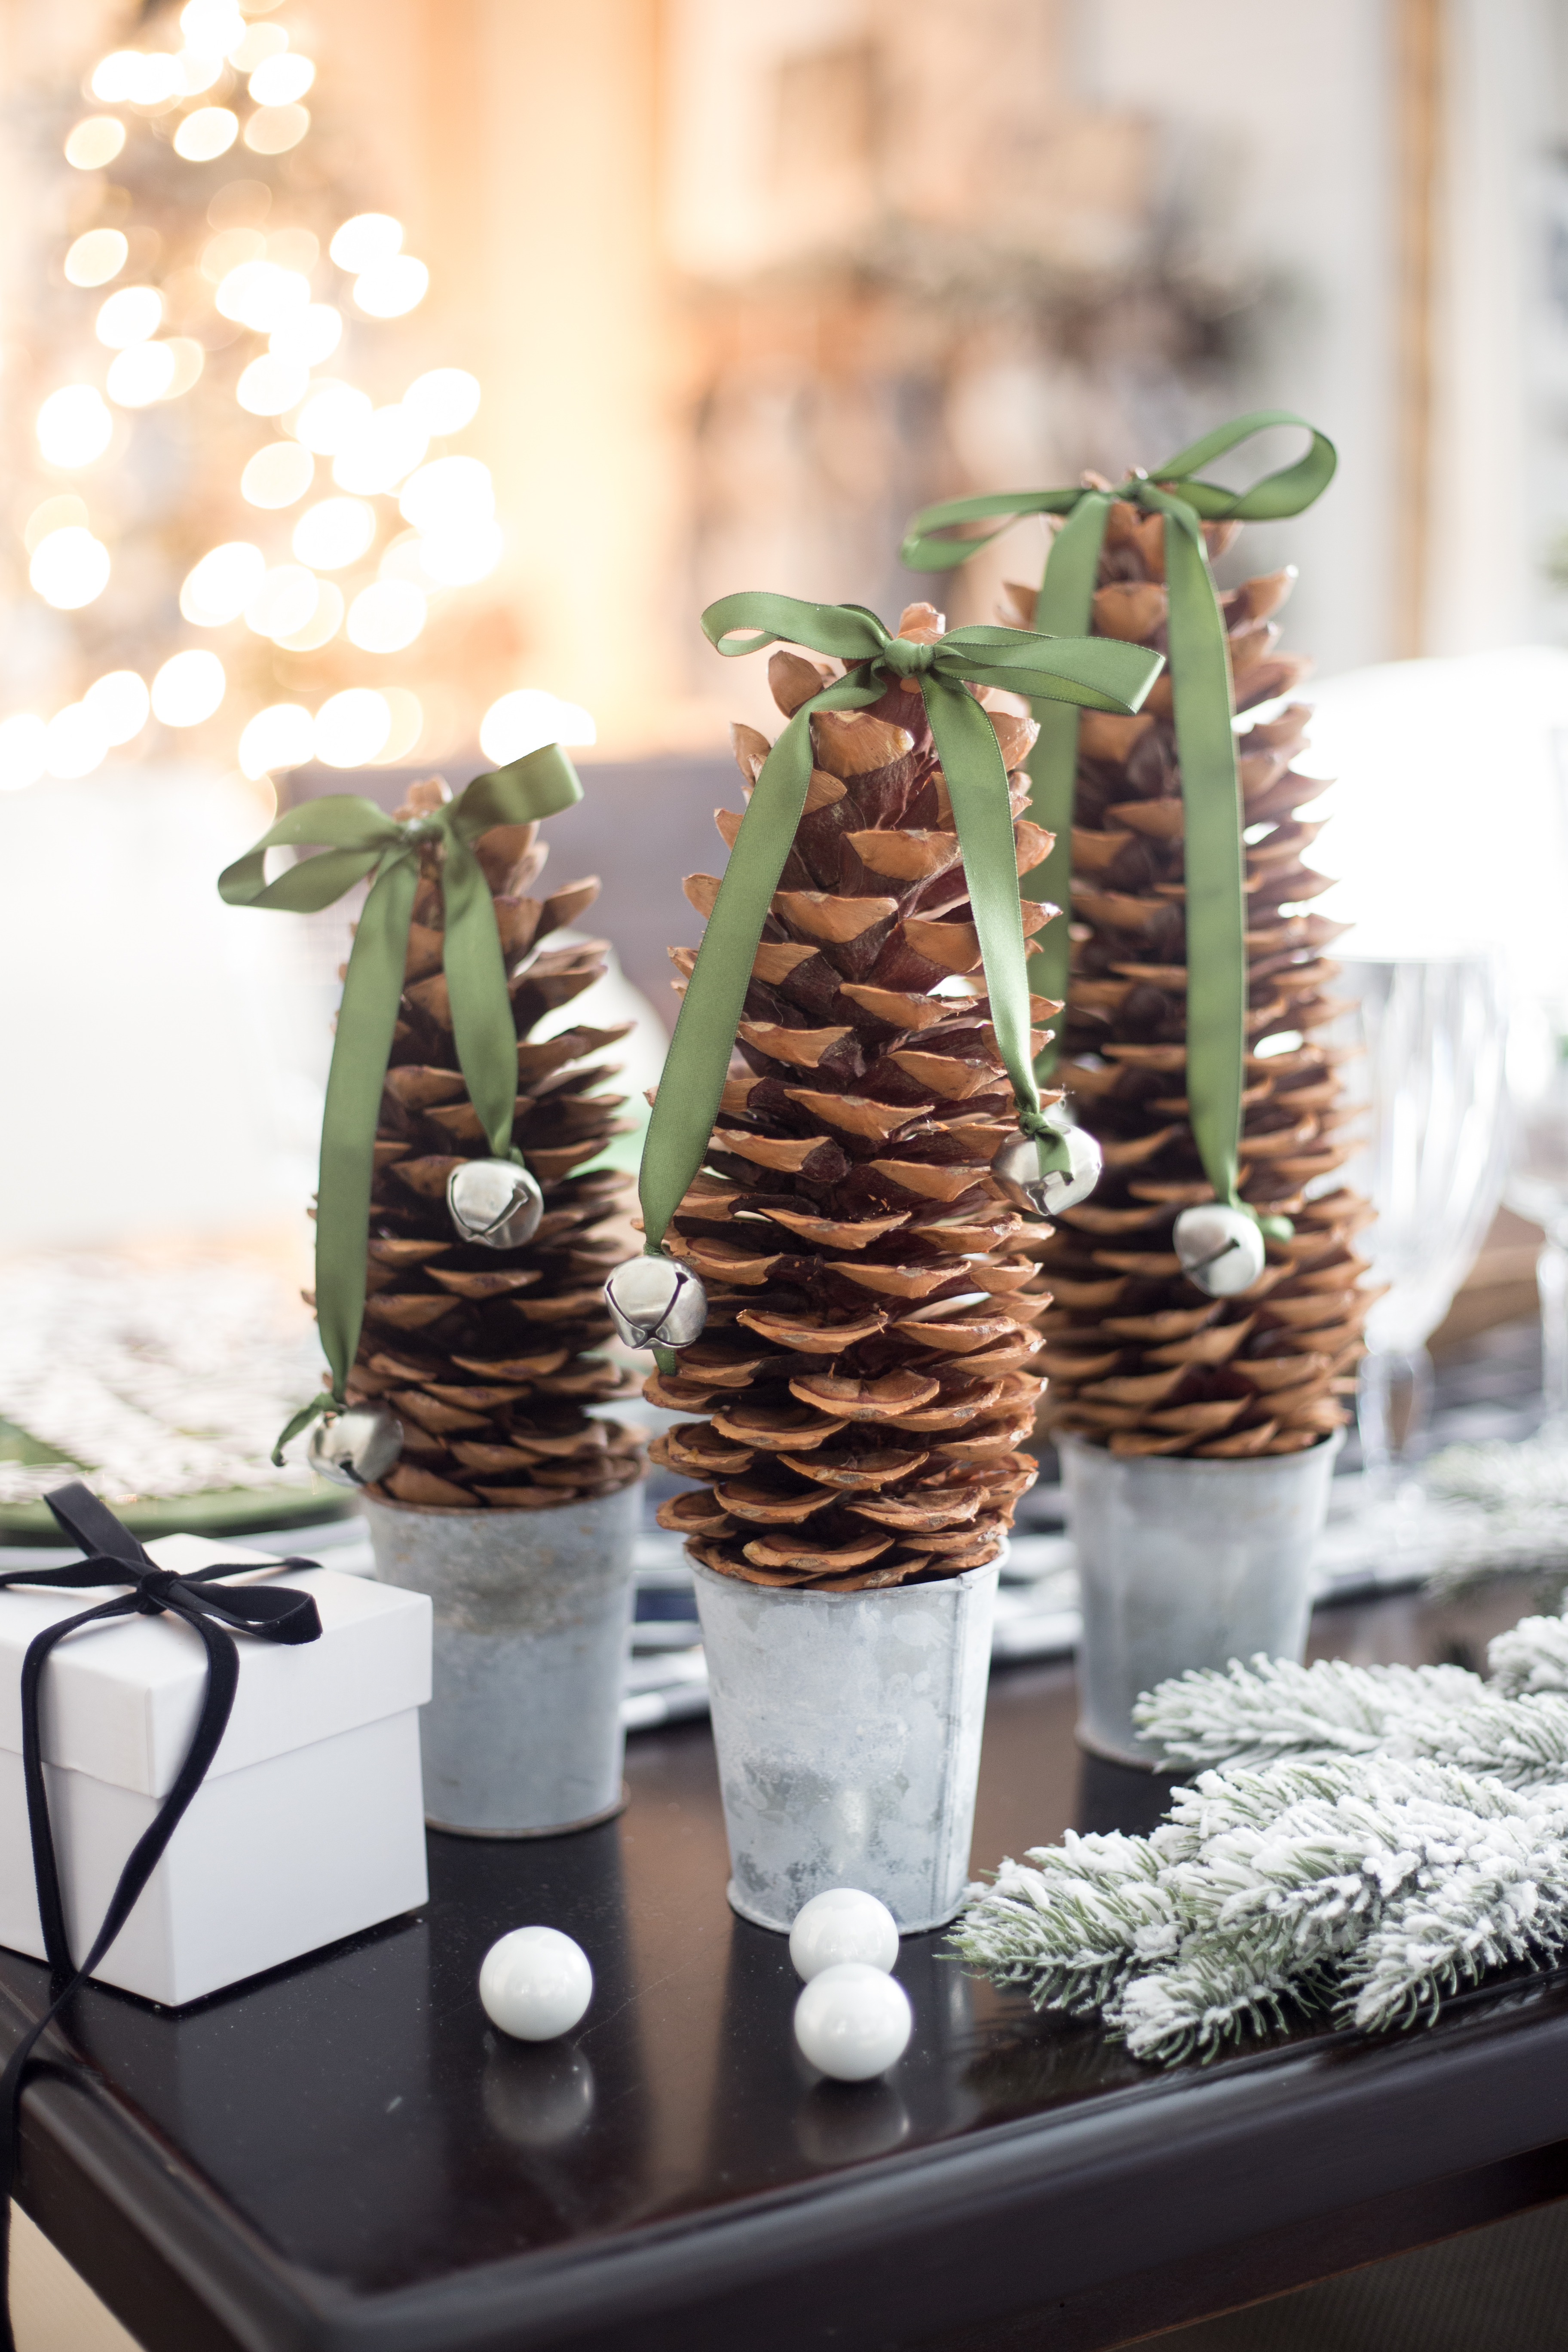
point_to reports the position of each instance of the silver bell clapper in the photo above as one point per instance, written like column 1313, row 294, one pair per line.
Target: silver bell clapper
column 655, row 1303
column 1017, row 1169
column 495, row 1203
column 1221, row 1248
column 355, row 1445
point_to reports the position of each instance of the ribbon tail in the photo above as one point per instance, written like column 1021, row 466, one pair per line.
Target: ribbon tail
column 687, row 1103
column 977, row 786
column 482, row 1027
column 1064, row 608
column 361, row 1050
column 324, row 1401
column 1216, row 902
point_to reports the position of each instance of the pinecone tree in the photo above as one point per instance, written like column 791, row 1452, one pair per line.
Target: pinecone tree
column 867, row 1372
column 488, row 1358
column 1139, row 1358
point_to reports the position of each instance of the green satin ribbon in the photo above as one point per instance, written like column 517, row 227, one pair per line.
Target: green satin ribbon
column 1205, row 741
column 355, row 840
column 1095, row 671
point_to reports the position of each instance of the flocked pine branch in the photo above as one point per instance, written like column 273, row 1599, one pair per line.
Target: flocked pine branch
column 1377, row 1838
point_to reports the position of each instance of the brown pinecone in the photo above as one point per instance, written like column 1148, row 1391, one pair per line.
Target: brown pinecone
column 1139, row 1358
column 868, row 1373
column 486, row 1356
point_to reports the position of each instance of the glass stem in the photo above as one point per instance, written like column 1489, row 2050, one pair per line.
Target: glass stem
column 1393, row 1398
column 1552, row 1285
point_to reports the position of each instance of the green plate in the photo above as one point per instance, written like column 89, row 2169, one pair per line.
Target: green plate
column 219, row 1511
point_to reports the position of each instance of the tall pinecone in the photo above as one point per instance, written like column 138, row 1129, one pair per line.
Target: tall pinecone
column 486, row 1356
column 867, row 1372
column 1139, row 1358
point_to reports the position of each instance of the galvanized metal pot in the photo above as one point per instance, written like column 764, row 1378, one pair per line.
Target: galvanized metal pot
column 523, row 1736
column 847, row 1727
column 1185, row 1563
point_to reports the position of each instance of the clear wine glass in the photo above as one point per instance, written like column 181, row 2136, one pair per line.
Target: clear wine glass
column 1434, row 1032
column 1538, row 1181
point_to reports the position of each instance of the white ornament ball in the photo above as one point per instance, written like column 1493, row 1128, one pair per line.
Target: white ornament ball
column 1221, row 1249
column 842, row 1924
column 852, row 2022
column 535, row 1983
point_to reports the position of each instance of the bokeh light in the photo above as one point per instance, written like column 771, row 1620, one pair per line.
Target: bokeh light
column 117, row 78
column 524, row 721
column 325, row 621
column 277, row 474
column 391, row 289
column 75, row 744
column 198, row 71
column 368, row 238
column 73, row 426
column 353, row 728
column 281, row 736
column 378, row 456
column 444, row 400
column 97, row 257
column 329, row 417
column 261, row 296
column 260, row 41
column 294, row 247
column 120, row 702
column 273, row 129
column 129, row 316
column 54, row 514
column 230, row 249
column 284, row 602
column 188, row 688
column 279, row 80
column 214, row 27
column 457, row 558
column 69, row 568
column 267, row 386
column 189, row 359
column 209, row 131
column 143, row 375
column 94, row 142
column 333, row 532
column 407, row 724
column 450, row 493
column 216, row 590
column 24, row 741
column 385, row 617
column 308, row 337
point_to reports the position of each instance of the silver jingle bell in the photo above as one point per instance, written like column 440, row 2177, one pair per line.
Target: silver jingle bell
column 654, row 1303
column 1221, row 1249
column 1017, row 1169
column 355, row 1446
column 494, row 1202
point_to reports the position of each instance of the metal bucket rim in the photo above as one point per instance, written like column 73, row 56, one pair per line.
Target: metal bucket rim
column 1178, row 1465
column 966, row 1581
column 501, row 1518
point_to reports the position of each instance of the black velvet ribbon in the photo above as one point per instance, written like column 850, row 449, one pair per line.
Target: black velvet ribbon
column 217, row 1613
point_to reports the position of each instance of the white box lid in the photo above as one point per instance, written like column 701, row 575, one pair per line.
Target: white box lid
column 121, row 1699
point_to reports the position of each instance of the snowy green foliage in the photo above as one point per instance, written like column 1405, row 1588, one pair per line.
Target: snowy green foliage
column 1374, row 1838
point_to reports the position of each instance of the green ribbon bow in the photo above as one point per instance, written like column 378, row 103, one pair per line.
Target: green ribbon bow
column 1095, row 671
column 355, row 840
column 1205, row 740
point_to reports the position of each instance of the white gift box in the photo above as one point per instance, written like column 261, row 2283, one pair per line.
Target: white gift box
column 310, row 1824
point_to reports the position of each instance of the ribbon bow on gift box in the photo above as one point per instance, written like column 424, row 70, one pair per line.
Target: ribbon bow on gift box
column 1205, row 740
column 216, row 1612
column 357, row 839
column 1094, row 671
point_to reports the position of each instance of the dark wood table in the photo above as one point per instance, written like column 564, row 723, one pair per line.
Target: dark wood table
column 343, row 2155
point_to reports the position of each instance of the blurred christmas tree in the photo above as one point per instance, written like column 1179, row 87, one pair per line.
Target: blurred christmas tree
column 244, row 522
